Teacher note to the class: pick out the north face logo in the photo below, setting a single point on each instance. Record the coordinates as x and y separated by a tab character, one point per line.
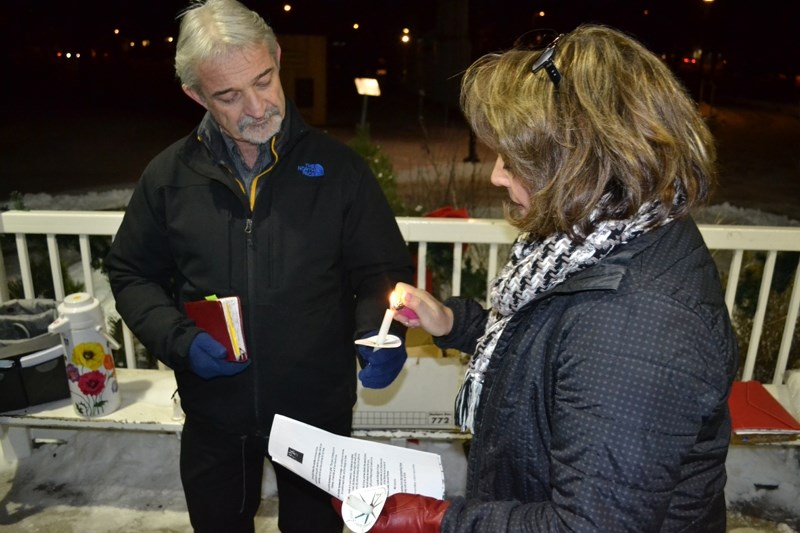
312	170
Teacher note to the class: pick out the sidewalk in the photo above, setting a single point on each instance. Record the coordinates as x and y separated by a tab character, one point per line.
101	481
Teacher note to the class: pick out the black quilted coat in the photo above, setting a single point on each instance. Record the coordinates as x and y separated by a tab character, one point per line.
604	404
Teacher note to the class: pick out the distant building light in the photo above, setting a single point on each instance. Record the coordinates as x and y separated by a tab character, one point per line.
646	12
368	87
287	7
541	13
406	31
132	44
69	55
405	39
356	25
145	43
169	39
381	72
116	31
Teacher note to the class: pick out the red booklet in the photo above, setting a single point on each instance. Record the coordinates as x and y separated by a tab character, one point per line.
755	411
222	319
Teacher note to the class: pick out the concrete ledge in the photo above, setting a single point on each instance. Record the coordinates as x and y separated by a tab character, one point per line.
146	405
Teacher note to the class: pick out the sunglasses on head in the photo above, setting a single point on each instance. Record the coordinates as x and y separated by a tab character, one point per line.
533	40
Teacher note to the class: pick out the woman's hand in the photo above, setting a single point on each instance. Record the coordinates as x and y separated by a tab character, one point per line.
432	316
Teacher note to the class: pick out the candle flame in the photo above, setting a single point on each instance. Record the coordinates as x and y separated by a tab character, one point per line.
394	300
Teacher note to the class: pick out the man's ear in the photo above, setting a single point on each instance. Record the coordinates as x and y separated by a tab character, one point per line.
194	95
278	55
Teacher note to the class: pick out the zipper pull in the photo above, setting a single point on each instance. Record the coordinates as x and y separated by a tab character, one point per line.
248	227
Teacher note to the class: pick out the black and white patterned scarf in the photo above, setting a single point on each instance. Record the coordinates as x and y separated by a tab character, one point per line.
534	267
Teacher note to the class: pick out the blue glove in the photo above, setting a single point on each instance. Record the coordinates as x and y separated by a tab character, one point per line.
382	365
207	358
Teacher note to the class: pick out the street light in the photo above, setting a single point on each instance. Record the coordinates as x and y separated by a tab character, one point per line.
366	87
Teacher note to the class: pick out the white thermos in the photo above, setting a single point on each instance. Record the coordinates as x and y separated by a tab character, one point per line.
90	367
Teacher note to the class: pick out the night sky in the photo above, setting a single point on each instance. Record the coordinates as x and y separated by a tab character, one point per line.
754	45
751	35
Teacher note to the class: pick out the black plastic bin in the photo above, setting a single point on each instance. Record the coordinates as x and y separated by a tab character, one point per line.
32	366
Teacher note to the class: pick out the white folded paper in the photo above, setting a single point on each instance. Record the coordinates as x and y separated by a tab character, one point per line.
340	465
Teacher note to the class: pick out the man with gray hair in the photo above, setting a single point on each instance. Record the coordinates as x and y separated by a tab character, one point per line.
258	205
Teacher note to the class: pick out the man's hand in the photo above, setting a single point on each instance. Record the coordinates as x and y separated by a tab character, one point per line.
382	365
207	358
407	513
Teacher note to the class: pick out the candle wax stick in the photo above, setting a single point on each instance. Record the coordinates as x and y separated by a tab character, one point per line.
387	321
359	505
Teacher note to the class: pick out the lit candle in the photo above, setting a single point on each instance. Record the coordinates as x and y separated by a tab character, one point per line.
387	321
399	308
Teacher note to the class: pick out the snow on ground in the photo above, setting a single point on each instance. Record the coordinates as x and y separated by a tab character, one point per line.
115	199
725	213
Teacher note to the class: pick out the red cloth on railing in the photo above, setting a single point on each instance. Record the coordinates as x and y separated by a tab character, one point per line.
447	211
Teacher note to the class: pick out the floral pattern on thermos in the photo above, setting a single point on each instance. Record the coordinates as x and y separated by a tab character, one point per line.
91	371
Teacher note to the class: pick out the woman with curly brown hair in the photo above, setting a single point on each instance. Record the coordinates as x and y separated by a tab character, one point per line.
597	390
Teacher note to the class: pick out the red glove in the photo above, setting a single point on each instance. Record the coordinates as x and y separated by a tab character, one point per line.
407	513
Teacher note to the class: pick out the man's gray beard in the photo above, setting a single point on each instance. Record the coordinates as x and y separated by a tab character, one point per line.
262	133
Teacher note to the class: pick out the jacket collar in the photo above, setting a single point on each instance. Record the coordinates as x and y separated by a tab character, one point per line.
293	127
610	271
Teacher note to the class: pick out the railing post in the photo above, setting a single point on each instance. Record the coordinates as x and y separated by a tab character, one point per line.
788	330
55	267
25	266
758	319
4	293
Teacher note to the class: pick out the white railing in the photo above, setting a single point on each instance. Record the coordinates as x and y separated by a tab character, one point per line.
492	235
